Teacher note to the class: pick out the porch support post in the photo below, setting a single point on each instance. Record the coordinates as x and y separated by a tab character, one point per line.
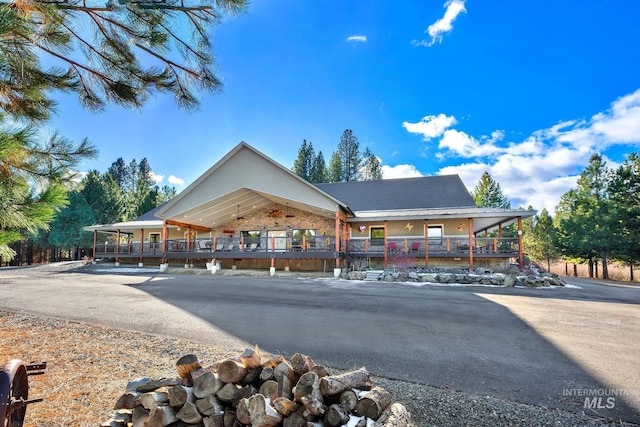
337	243
471	245
118	247
165	236
520	253
386	249
95	243
140	264
426	243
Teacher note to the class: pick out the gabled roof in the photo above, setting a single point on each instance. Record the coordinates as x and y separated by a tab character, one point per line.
428	192
243	181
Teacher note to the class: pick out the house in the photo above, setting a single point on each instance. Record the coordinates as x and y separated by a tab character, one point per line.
248	211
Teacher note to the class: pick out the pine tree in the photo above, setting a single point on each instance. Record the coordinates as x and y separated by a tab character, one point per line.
488	194
624	191
67	227
542	245
594	209
334	172
371	169
318	169
27	165
349	155
126	52
303	164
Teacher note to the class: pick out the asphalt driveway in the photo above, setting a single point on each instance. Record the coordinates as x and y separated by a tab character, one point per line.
561	347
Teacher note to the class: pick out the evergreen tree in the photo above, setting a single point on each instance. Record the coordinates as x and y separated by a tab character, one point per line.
165	194
126	52
104	197
26	164
371	169
488	194
594	209
334	173
542	242
67	227
624	191
303	164
318	169
349	155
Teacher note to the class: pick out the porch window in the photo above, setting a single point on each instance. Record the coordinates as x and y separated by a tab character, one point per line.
298	234
154	237
434	233
377	235
251	237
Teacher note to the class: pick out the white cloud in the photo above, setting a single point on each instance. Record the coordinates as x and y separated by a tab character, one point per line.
400	171
157	177
431	126
465	145
539	169
444	24
175	180
360	39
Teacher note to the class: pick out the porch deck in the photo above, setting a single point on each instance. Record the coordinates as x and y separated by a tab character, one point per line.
287	248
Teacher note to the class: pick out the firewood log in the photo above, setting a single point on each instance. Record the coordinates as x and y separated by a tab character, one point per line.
285	406
266	373
154	398
228	392
337	415
320	370
242	411
334	384
314	406
396	415
158	383
215	420
139	416
179	395
230	371
128	400
285	369
295	420
189	413
161	416
245	392
349	399
373	403
229	418
301	363
269	389
186	364
252	376
272	360
251	358
261	413
206	384
308	385
209	405
284	387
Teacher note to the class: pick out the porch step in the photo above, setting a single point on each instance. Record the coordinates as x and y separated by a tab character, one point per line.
373	275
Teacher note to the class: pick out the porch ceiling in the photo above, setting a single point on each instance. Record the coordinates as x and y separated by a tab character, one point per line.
237	204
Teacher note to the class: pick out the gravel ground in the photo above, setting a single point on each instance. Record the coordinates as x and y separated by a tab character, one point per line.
90	365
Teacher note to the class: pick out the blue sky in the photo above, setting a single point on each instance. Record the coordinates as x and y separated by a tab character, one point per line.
525	90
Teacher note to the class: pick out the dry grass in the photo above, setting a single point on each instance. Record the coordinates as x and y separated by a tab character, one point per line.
88	366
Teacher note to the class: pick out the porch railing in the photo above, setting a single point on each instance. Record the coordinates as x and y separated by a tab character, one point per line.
369	247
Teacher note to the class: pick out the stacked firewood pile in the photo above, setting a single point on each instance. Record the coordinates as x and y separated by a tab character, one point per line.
253	390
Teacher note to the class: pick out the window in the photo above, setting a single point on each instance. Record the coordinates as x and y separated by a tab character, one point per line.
377	235
298	234
251	237
154	237
434	233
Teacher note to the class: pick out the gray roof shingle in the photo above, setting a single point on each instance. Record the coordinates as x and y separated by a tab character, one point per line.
428	192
